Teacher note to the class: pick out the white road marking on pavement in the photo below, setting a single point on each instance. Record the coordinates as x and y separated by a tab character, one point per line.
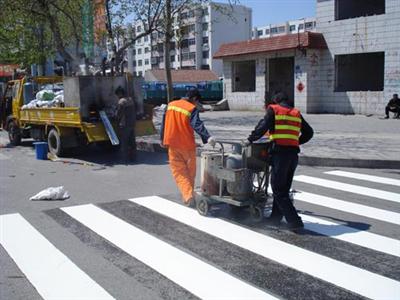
52	274
352	235
354	279
349	207
377	179
351	188
198	277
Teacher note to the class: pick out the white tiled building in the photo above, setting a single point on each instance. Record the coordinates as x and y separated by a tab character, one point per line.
203	29
351	64
295	26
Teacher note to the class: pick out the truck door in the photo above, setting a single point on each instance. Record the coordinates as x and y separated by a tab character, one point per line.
6	104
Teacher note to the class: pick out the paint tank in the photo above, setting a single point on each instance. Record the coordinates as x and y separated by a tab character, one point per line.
210	162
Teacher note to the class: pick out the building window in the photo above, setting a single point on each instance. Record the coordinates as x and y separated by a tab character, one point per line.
185	56
146	61
244	76
185	43
154	48
140	73
205	11
154	35
172	46
259	32
184	15
206	54
204	26
191	28
360	72
281	29
134	52
140	62
205	39
191	14
267	31
160	47
139	28
146	50
301	26
205	67
139	51
192	42
347	9
309	25
146	38
274	30
192	55
134	63
172	58
292	28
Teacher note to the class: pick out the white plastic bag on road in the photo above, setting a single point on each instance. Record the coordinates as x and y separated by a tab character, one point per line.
51	193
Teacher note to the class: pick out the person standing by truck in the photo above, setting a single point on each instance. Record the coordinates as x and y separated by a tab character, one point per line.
126	117
287	130
180	121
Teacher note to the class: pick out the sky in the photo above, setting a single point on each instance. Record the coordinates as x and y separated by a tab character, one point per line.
275	11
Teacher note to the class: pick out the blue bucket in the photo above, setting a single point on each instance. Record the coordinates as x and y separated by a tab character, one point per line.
41	150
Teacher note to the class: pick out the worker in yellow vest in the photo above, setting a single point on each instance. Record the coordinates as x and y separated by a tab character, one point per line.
180	121
287	129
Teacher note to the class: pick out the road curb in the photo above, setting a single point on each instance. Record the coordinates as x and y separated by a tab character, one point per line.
303	160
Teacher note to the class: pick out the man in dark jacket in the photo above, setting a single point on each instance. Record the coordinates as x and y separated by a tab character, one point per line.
393	106
126	117
287	129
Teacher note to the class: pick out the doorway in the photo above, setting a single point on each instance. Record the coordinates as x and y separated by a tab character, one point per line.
280	76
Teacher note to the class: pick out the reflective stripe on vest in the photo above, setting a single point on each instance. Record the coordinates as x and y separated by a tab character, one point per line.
287	126
181	110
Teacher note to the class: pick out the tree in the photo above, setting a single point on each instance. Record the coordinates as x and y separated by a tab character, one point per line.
33	29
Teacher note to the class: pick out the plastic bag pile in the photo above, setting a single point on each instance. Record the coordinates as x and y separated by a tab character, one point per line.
46	98
51	193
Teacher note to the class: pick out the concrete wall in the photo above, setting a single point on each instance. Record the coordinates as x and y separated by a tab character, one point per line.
357	35
227	26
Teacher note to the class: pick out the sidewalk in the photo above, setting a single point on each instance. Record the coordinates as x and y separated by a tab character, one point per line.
339	140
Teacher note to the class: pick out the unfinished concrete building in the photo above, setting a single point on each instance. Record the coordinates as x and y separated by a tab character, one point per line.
352	65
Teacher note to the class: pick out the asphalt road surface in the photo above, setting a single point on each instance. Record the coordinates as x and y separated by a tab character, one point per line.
123	234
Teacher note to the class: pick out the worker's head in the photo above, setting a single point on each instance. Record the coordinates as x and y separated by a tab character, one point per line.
120	92
193	95
395	96
280	97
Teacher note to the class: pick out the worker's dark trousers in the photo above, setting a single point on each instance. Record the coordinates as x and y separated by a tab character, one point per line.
283	168
127	150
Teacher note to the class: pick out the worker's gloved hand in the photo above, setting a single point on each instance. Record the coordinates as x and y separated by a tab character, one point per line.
211	141
245	143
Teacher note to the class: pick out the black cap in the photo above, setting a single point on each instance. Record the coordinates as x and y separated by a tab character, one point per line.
280	97
120	91
193	93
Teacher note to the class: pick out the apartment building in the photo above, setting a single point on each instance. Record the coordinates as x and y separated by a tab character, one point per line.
295	26
199	32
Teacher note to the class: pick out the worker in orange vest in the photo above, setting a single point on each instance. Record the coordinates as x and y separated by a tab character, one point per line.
180	121
287	130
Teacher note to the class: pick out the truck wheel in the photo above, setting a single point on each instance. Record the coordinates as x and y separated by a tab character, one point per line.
54	142
14	133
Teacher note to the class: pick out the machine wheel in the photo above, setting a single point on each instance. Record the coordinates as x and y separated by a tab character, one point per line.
54	142
202	207
14	133
257	213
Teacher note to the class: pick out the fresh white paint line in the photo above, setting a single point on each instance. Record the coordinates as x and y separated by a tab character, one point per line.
52	274
351	188
198	277
349	207
371	178
352	235
354	279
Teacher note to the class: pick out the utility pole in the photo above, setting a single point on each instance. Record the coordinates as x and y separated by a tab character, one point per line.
167	46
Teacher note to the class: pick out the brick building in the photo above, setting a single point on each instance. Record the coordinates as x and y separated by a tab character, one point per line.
352	65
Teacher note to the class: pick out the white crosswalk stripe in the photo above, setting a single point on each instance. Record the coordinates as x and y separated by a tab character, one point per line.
50	271
351	188
204	280
371	178
357	280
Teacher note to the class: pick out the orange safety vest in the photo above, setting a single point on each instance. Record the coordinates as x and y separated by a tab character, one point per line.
287	126
178	132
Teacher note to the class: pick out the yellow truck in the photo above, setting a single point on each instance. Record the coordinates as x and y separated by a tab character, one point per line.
76	123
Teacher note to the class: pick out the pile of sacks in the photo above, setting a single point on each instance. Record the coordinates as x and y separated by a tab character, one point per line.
47	98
